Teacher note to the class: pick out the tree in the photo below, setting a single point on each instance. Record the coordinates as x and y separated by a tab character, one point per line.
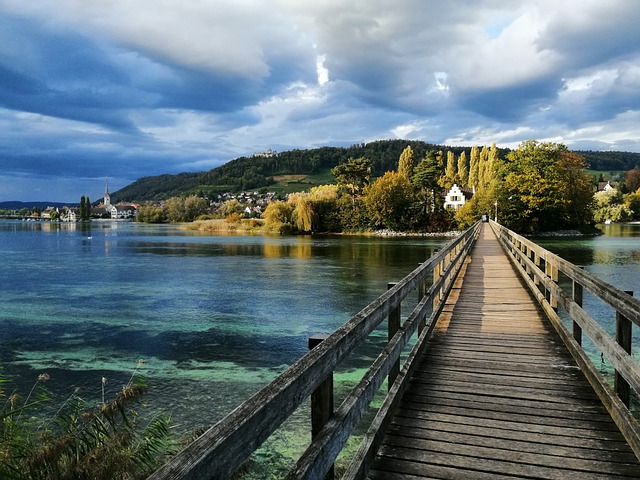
324	200
632	179
194	206
353	176
463	170
175	209
277	216
150	213
425	180
302	213
389	200
474	168
85	208
231	206
632	201
450	176
484	169
405	164
544	188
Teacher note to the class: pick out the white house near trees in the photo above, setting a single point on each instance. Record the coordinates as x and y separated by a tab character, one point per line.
457	196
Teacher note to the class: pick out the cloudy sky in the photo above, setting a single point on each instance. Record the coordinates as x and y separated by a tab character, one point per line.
122	89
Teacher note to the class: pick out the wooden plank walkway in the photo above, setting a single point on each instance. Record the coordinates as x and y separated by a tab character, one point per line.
497	395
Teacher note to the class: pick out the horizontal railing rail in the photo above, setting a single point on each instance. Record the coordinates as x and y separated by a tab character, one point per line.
540	269
226	446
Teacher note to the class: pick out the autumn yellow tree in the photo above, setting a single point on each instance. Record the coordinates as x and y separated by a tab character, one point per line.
389	200
474	168
302	211
277	216
463	170
405	164
449	177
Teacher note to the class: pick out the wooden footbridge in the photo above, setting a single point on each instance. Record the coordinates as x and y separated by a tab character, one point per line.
494	385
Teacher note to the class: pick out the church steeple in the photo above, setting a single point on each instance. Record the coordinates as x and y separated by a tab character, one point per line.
107	197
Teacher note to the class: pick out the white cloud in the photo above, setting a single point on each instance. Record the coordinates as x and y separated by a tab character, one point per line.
169	84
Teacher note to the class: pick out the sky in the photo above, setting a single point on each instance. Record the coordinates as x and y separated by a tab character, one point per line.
92	90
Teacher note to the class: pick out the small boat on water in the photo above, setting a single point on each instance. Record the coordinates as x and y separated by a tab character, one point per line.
607	222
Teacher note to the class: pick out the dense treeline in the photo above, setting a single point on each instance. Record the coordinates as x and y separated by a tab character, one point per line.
610	161
250	173
536	187
159	187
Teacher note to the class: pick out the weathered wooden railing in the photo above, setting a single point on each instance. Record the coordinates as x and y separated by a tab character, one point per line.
540	269
222	449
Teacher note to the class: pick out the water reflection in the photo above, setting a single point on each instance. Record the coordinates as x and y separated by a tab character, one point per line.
216	316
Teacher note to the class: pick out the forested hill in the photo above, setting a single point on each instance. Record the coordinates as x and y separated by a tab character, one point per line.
250	173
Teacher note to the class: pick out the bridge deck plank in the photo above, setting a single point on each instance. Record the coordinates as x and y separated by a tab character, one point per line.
496	395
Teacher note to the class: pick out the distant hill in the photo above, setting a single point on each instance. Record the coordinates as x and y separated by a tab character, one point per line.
610	161
21	205
252	173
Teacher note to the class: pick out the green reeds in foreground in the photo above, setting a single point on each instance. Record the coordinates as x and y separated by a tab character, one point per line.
80	441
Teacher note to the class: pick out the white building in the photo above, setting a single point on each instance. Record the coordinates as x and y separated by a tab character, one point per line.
456	197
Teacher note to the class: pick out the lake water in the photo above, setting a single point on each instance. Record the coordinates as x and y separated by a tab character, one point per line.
215	317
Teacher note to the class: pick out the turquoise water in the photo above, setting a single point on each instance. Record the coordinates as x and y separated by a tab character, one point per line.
214	317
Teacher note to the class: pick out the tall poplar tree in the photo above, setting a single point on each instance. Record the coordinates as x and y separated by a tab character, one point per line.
474	165
449	177
405	164
483	169
463	170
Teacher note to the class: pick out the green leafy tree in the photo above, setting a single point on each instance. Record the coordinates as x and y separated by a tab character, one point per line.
353	176
194	206
405	164
84	208
545	188
175	209
425	180
150	213
389	200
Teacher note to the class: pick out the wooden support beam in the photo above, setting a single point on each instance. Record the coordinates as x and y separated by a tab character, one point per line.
321	401
623	337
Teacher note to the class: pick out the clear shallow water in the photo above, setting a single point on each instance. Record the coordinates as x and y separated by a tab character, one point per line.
214	317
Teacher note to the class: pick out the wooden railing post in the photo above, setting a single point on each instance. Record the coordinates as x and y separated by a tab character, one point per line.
623	337
422	290
577	297
394	326
436	276
321	401
552	274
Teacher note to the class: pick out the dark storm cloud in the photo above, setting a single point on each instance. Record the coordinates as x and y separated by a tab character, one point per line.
123	89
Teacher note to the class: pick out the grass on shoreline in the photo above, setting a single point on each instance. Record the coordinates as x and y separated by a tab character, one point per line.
248	226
